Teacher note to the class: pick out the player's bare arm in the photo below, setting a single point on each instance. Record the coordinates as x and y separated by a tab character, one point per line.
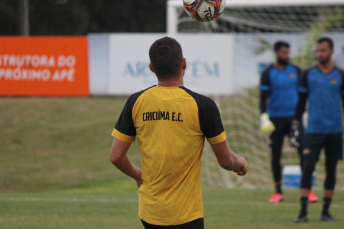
120	159
228	160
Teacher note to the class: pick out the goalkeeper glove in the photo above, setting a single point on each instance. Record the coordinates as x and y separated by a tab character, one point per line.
294	135
266	126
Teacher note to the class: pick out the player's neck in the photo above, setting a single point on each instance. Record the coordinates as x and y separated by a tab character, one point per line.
175	82
279	66
326	68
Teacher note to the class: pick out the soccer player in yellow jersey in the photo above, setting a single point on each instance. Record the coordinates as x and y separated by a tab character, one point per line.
170	123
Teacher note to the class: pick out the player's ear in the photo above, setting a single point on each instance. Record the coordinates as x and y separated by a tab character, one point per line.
184	64
151	67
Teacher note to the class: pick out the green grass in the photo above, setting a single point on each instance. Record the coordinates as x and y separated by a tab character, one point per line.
114	205
55	173
49	143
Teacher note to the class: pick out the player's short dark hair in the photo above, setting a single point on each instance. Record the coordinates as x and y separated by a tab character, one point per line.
280	44
328	40
166	56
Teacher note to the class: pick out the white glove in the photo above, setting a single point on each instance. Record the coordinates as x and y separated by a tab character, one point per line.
294	135
266	126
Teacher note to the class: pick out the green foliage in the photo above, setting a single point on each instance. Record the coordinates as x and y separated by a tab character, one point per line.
9	21
307	56
264	45
78	17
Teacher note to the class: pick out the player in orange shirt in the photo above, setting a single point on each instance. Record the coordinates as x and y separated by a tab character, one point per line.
170	123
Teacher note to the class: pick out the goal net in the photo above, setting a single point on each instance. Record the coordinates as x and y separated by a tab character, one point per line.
257	25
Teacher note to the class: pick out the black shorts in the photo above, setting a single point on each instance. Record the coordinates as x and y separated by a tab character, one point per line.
196	224
332	143
282	129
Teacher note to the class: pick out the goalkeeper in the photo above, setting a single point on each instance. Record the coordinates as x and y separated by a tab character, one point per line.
278	89
323	86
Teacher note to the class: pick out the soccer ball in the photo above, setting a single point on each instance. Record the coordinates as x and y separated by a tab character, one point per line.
204	10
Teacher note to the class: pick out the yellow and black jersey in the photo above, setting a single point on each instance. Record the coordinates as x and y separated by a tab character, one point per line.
170	124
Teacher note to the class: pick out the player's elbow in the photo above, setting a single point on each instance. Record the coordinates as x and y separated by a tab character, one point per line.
115	159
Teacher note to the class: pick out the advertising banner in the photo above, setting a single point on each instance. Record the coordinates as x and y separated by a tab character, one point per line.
98	57
44	66
209	63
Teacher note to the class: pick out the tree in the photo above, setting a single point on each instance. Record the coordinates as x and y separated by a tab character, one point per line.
80	17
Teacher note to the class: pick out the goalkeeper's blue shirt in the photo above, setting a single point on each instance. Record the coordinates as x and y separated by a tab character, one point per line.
282	87
325	92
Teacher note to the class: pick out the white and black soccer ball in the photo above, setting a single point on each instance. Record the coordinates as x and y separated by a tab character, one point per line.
204	10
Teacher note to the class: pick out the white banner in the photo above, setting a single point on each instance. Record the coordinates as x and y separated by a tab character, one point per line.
217	64
209	63
98	49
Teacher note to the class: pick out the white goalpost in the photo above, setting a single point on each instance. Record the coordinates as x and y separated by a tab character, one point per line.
256	25
175	8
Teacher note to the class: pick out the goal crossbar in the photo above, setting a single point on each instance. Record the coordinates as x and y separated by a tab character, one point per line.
265	3
174	5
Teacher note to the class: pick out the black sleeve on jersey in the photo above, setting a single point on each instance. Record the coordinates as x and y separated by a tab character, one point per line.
301	106
304	80
303	95
299	74
264	94
125	123
209	115
342	89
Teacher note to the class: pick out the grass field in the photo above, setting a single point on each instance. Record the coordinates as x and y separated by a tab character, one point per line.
55	173
114	205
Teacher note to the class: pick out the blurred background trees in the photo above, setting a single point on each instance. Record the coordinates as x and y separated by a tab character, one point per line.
80	17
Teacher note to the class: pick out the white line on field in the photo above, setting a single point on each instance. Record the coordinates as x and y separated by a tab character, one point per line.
112	200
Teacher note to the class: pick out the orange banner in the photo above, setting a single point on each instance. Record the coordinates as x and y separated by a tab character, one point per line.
44	66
